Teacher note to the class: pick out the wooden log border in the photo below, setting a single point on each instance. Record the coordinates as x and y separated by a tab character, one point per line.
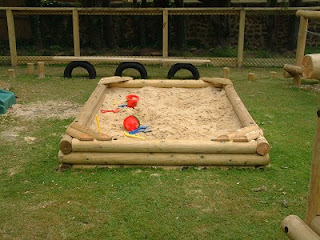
82	147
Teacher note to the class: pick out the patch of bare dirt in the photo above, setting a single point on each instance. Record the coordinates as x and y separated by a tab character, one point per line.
11	134
314	87
50	109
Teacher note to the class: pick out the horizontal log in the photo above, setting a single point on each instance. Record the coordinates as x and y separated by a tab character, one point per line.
217	82
90	132
308	14
164	159
311	64
287	74
238	106
115	79
79	135
238	133
87	111
164	146
315	224
296	229
263	146
65	144
253	135
153	60
294	70
162	84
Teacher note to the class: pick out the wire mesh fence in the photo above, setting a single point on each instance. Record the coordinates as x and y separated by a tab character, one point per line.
270	36
44	35
4	42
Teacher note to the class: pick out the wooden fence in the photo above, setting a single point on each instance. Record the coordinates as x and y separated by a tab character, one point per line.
11	12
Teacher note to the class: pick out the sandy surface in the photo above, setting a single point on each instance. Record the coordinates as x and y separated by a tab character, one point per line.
171	113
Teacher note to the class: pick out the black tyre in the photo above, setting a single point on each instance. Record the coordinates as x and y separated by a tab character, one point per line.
135	65
83	64
188	66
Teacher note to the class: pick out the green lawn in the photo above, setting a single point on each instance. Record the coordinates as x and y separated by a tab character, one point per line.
36	202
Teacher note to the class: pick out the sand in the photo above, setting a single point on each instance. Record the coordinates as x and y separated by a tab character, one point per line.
171	113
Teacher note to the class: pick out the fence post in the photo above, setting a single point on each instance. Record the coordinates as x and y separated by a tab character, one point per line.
302	36
76	34
301	45
313	206
242	22
12	37
165	29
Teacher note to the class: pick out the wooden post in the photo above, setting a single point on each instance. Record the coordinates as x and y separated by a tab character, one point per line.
165	34
251	76
226	72
273	74
313	207
302	36
30	68
12	37
11	73
242	22
41	73
76	33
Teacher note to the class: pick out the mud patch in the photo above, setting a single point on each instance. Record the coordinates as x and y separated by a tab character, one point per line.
314	87
50	109
11	134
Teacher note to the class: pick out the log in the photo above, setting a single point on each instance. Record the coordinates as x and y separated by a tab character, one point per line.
313	206
297	80
41	73
263	147
238	133
165	146
287	74
90	132
315	224
11	73
226	72
30	68
253	135
150	60
162	84
294	70
311	64
296	229
251	76
65	144
308	14
217	82
238	106
115	79
164	159
79	135
88	110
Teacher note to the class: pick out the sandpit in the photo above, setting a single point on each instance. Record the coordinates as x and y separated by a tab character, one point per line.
194	123
176	113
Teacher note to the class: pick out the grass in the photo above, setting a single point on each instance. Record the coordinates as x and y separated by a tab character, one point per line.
37	202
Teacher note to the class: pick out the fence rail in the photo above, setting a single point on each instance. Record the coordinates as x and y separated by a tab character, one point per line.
14	13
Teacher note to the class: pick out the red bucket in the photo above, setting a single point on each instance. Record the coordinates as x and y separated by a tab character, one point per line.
132	100
131	123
